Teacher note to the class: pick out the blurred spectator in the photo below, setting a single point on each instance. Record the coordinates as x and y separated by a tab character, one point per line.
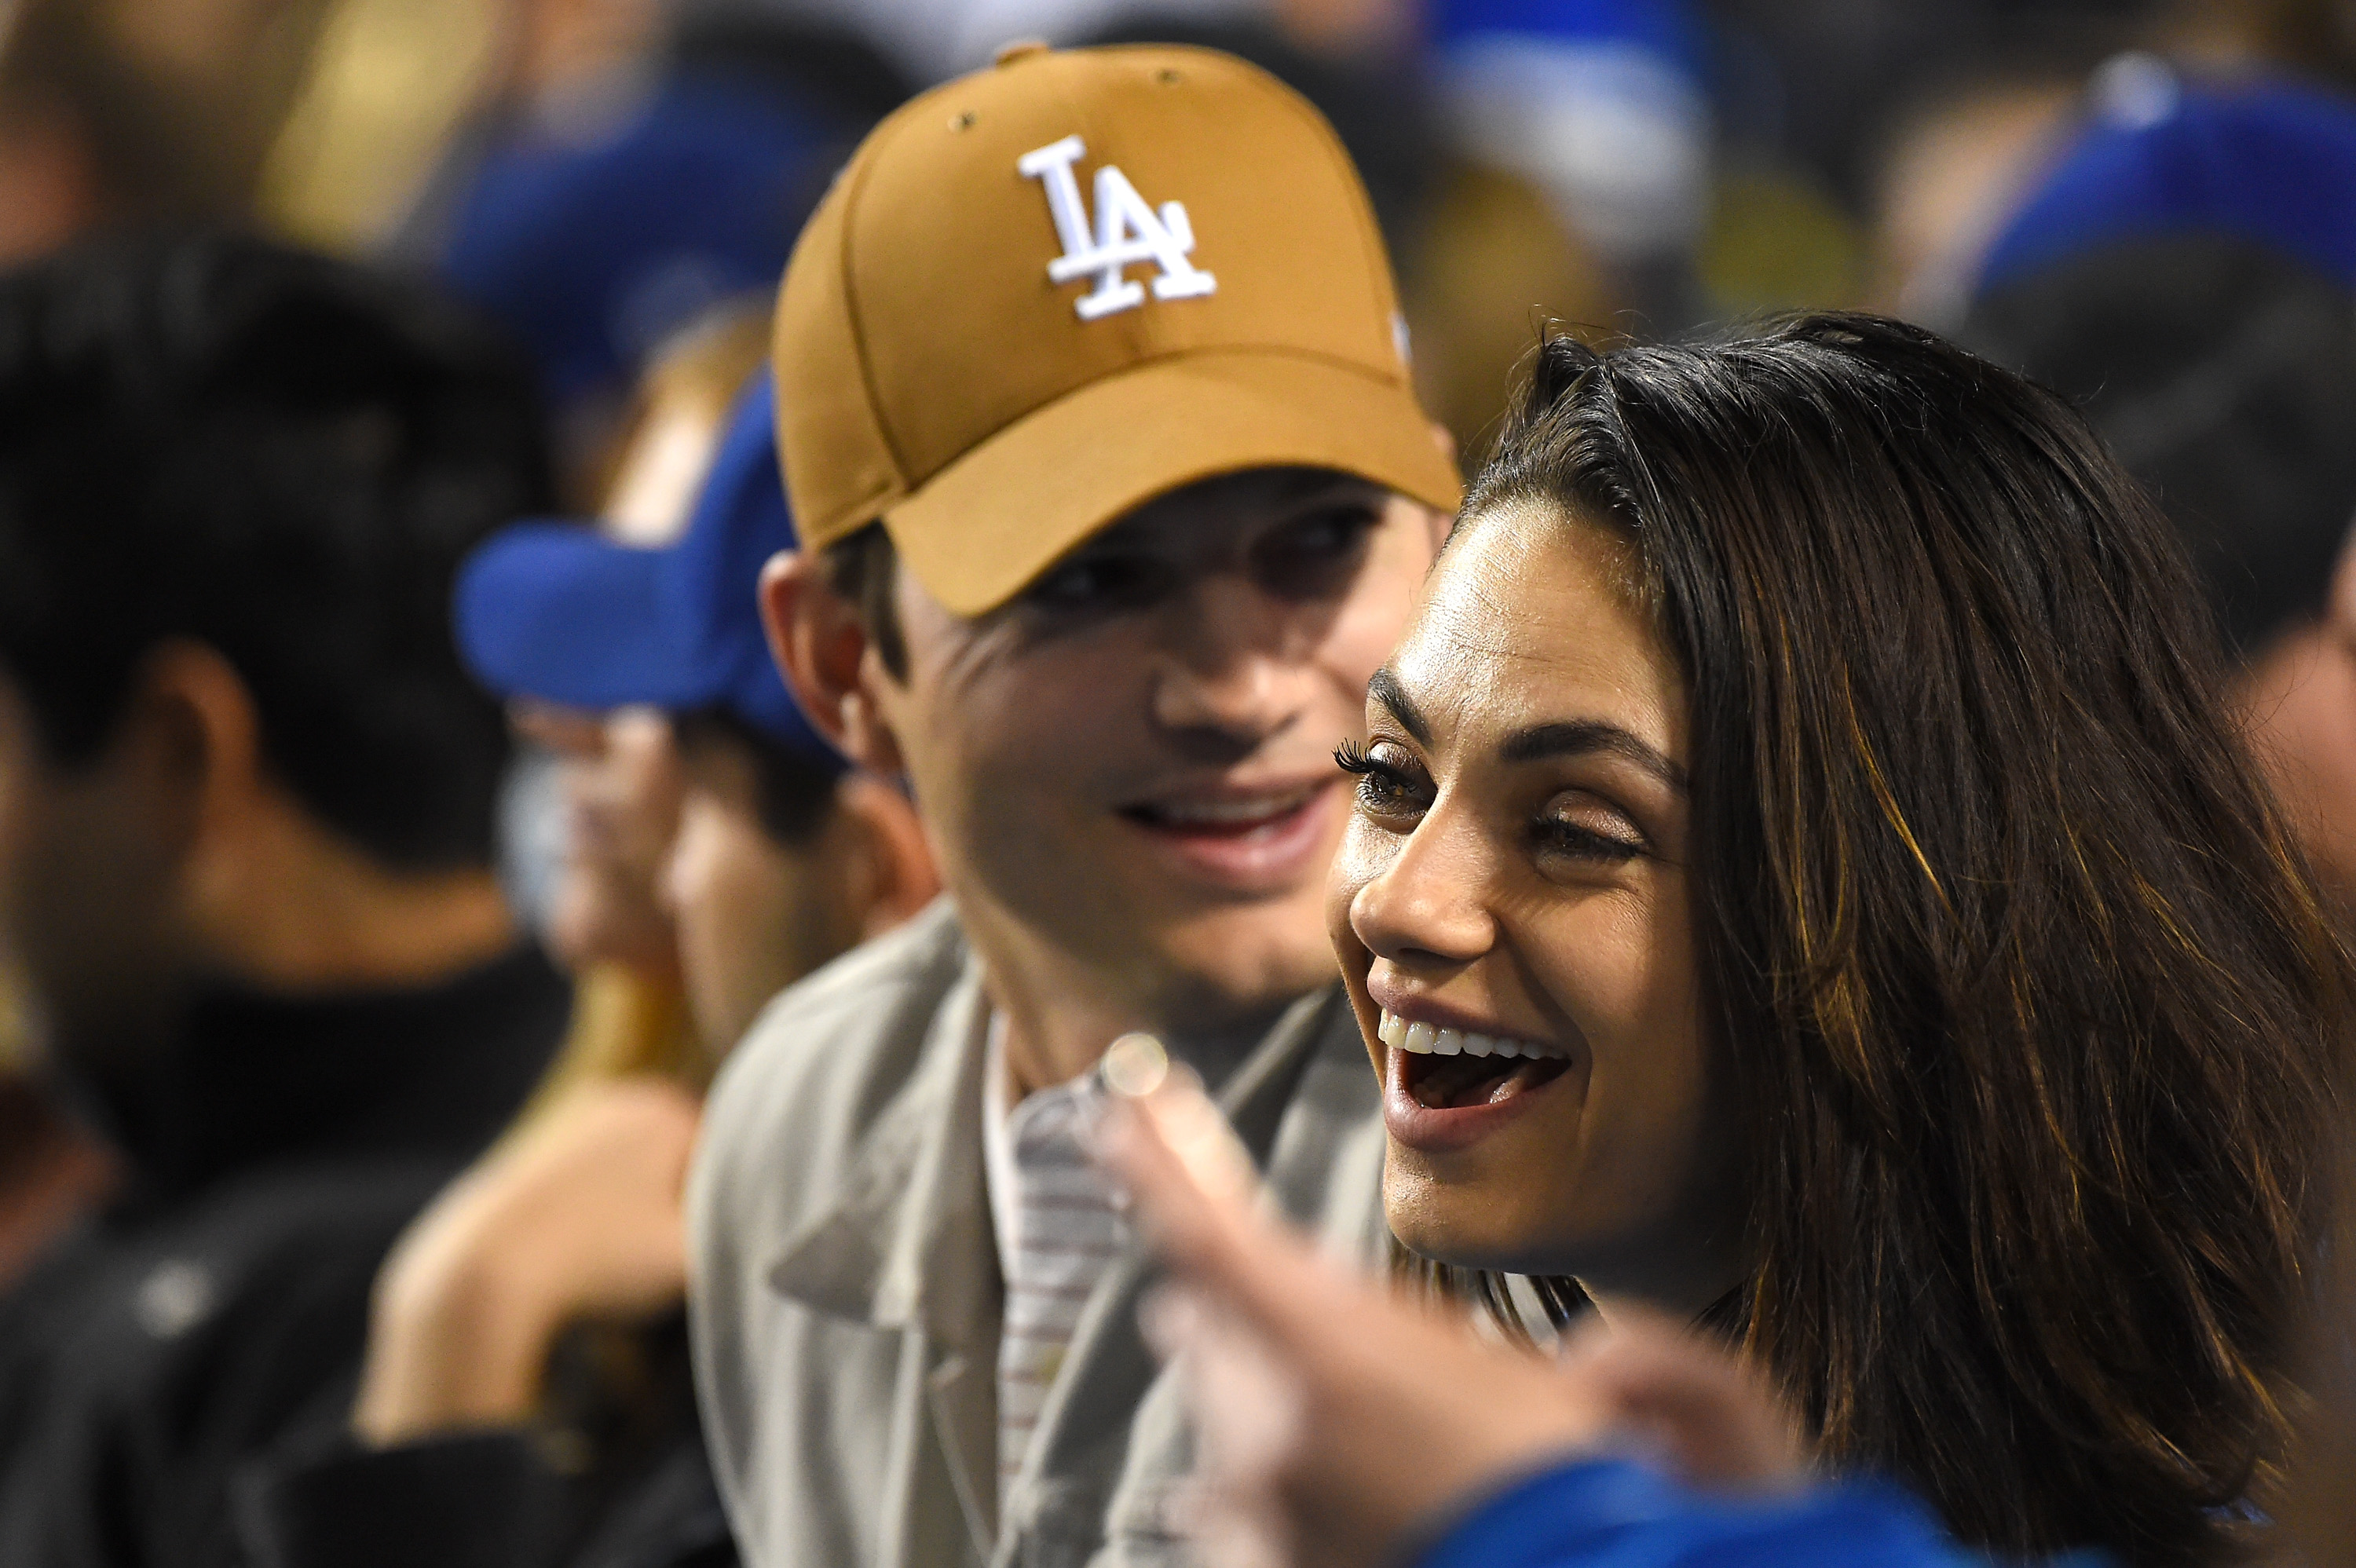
2224	375
553	611
1578	180
52	1169
246	808
611	806
2161	154
1496	260
2311	37
133	111
1953	165
2049	150
388	84
781	861
930	42
1602	104
2181	272
1816	81
599	216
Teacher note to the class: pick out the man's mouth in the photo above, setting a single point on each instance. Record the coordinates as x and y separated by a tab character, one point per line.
1455	1069
1226	816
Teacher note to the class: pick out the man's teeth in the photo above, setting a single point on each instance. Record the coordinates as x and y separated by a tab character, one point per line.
1225	813
1424	1040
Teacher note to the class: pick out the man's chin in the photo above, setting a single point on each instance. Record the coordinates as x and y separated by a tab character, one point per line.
1242	961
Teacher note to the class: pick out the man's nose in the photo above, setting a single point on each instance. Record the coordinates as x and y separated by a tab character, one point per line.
1230	674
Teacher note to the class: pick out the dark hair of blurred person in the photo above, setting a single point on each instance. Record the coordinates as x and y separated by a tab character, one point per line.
2014	1008
2222	374
541	1294
246	805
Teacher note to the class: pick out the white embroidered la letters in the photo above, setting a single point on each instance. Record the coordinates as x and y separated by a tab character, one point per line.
1127	232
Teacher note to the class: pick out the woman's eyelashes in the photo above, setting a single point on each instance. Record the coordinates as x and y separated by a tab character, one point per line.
1558	836
1394	788
1388	786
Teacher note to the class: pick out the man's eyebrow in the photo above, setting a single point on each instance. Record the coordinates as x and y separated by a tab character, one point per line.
1384	687
1584	737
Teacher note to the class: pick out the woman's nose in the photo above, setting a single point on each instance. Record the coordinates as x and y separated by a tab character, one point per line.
1428	904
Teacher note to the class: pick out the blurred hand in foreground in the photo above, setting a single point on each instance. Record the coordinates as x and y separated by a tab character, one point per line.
578	1218
1342	1424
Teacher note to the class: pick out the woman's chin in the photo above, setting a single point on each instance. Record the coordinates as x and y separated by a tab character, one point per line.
1460	1229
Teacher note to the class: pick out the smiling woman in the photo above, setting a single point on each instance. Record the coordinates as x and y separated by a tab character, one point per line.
1801	878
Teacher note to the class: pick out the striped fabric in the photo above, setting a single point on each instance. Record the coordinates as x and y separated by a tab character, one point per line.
1058	1233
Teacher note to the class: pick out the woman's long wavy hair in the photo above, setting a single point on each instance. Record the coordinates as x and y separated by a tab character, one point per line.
2030	1001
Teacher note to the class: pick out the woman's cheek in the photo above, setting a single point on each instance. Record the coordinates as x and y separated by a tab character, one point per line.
1365	851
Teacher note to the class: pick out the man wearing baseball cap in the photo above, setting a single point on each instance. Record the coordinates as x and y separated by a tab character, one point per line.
1096	419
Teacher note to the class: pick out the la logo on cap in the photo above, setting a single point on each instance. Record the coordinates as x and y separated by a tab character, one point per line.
1126	232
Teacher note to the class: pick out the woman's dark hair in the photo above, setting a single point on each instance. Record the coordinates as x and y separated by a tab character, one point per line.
2024	985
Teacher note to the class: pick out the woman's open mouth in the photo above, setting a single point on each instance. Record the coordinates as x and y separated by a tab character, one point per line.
1448	1087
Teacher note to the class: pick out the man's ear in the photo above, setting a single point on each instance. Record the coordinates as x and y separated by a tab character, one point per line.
821	647
896	874
192	717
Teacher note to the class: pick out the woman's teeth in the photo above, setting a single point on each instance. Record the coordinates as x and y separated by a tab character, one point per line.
1424	1040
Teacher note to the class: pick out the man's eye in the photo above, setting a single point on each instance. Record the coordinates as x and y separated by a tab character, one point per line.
1311	551
1091	583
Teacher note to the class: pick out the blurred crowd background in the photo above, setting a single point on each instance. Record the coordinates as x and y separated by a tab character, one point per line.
597	171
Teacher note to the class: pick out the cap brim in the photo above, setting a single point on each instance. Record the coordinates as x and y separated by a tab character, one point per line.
553	610
1001	514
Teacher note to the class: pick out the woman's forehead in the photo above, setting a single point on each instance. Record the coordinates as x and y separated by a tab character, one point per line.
1528	618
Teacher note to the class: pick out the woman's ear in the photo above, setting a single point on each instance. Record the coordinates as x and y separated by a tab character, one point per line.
896	875
820	646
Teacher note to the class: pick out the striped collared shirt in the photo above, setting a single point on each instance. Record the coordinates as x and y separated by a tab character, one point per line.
1057	1230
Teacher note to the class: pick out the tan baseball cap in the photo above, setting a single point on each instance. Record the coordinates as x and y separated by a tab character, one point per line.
1047	292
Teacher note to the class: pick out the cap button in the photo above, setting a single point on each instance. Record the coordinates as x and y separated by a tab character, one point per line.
1020	48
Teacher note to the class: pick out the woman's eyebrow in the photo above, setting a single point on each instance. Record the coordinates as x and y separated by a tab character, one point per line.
1584	737
1384	686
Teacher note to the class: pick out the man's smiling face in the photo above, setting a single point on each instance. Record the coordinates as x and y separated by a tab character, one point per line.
1129	768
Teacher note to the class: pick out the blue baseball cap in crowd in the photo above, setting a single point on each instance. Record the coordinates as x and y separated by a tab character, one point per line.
2163	157
555	610
1604	105
592	250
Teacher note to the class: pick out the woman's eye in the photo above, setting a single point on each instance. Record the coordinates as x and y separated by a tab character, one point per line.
1561	837
1386	787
